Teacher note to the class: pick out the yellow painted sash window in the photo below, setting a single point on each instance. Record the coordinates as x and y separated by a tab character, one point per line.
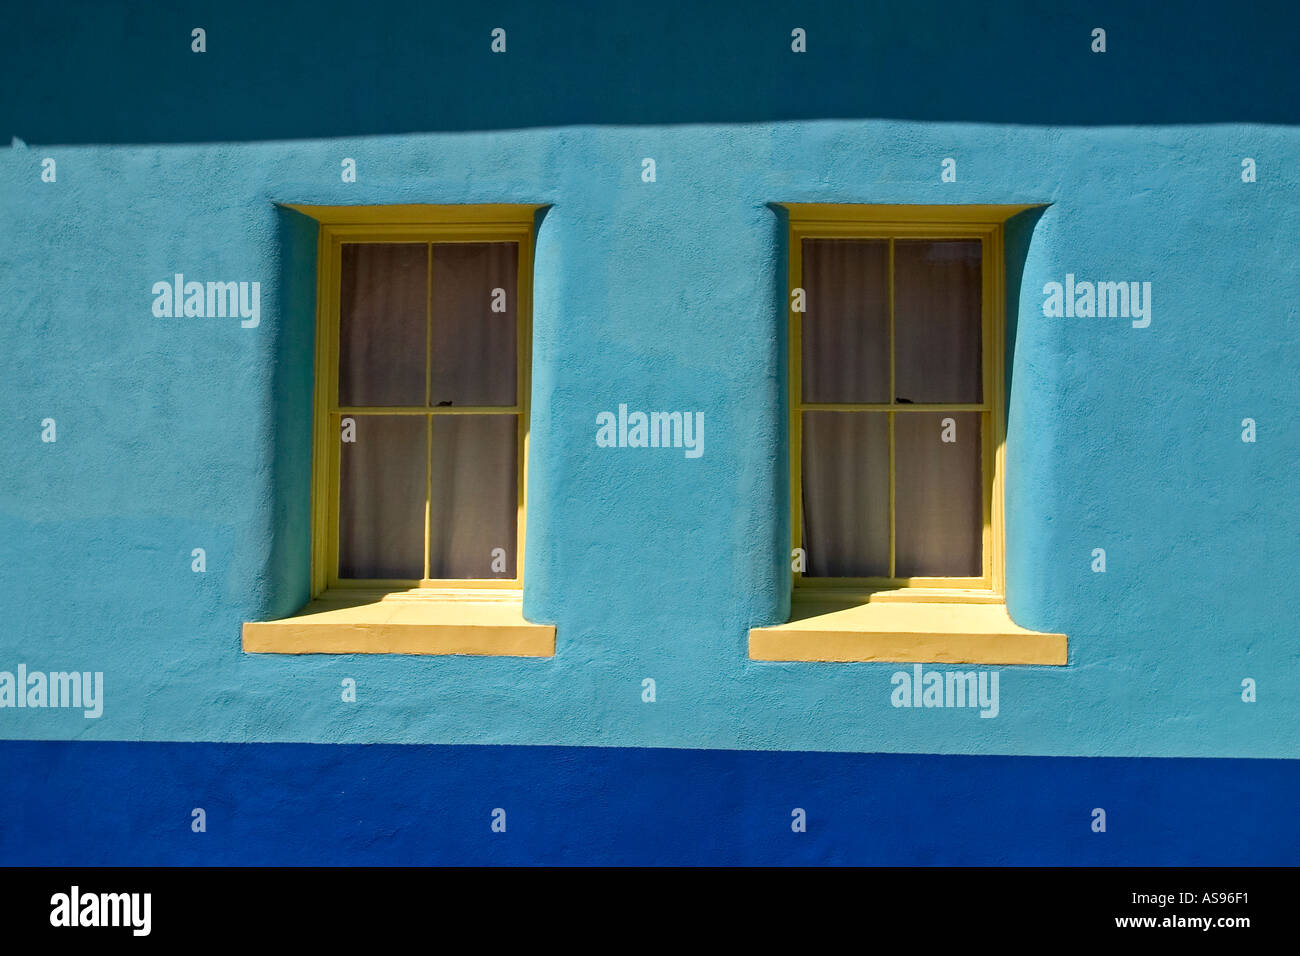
421	434
896	337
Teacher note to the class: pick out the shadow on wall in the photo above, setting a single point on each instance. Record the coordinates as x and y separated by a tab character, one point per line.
286	576
111	73
1017	233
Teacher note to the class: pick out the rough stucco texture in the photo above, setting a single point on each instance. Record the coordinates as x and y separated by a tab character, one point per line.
182	433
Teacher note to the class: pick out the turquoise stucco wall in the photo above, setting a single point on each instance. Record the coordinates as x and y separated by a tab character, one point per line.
183	433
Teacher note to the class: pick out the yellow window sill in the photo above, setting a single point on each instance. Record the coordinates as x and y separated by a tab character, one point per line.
407	622
891	627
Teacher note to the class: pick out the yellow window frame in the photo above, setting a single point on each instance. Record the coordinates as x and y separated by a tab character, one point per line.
329	415
426	615
890	223
907	619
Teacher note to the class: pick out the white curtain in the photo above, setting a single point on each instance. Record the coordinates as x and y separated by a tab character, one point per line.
473	346
938	485
846	494
471	467
938	500
383	301
845	329
381	498
474	508
937	296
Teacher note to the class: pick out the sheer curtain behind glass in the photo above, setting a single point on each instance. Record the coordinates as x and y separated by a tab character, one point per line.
930	320
427	352
474	508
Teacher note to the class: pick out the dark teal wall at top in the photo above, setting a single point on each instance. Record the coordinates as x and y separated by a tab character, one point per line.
123	73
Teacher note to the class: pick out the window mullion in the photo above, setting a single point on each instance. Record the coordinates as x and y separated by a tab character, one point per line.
892	397
428	387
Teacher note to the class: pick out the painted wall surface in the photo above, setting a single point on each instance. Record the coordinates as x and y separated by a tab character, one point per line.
174	434
345	804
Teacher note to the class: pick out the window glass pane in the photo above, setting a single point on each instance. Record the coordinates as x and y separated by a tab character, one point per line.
381	498
383	301
475	495
846	494
937	291
938	495
845	328
473	346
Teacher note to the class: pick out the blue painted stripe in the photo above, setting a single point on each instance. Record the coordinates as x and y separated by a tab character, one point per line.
94	804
